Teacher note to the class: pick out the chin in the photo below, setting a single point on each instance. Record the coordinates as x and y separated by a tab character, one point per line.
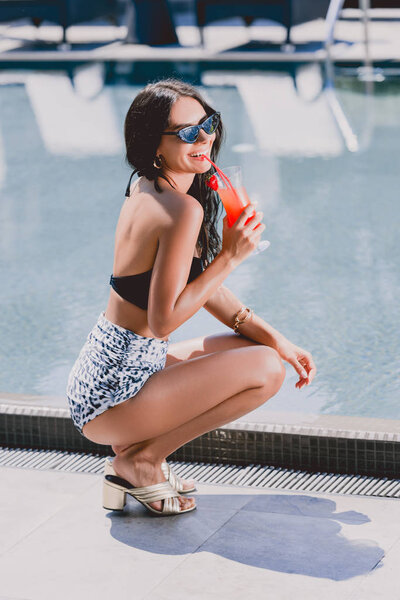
200	171
204	166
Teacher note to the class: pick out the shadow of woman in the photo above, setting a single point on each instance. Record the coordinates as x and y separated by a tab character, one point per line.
286	533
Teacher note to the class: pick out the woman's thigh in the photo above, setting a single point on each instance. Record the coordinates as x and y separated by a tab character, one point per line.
182	391
200	346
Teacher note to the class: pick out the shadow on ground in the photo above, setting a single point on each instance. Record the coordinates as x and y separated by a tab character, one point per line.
290	534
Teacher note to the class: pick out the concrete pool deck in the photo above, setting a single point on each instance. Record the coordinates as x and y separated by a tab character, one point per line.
58	542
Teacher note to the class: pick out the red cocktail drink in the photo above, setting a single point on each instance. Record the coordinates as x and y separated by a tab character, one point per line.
233	196
234	202
231	191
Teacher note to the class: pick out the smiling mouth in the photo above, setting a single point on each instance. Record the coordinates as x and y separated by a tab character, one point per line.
197	154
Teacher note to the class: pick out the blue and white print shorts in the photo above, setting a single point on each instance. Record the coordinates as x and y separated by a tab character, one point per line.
112	366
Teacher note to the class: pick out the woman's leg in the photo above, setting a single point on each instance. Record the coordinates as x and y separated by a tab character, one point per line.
183	390
202	345
230	409
186	350
195	347
178	394
125	463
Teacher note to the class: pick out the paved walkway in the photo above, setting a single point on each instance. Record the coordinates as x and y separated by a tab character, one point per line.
57	542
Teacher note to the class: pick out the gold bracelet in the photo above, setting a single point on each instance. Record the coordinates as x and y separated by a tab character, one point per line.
239	320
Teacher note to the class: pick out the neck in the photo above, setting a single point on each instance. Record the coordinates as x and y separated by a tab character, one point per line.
181	181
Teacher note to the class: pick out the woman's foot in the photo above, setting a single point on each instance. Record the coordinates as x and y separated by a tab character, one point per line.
188	484
140	471
133	448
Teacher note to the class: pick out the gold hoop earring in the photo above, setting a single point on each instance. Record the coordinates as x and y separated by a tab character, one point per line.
157	163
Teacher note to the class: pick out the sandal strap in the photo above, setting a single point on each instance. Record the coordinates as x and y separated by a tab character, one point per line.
171	506
147	493
151	493
172	477
170	497
169	473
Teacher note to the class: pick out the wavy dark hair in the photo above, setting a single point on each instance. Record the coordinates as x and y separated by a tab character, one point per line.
147	118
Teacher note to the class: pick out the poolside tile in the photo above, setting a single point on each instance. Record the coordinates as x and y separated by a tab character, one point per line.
240	541
30	497
281	542
383	581
107	552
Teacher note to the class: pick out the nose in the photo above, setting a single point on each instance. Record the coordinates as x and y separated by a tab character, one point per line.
203	136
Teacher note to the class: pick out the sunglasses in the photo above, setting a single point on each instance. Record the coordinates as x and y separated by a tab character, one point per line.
190	134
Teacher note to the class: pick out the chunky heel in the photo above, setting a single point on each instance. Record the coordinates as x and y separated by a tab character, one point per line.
113	498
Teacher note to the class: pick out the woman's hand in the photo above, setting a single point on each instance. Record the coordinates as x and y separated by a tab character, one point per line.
300	359
239	240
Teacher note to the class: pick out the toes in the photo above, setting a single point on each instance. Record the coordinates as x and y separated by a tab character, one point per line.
187	502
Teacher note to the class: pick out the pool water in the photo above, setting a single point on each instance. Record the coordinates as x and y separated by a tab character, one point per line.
323	165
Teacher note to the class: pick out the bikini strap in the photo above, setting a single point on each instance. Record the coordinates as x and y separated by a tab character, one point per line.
128	188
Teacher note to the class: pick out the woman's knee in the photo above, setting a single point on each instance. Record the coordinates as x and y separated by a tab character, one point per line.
271	369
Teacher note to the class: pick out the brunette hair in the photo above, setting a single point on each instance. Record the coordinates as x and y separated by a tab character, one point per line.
147	118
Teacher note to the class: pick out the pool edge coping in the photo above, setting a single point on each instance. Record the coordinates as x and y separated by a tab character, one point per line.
288	446
330	426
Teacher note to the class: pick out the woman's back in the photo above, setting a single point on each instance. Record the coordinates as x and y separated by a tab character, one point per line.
143	216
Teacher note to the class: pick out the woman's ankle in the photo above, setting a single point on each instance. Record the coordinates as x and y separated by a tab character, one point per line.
139	450
139	454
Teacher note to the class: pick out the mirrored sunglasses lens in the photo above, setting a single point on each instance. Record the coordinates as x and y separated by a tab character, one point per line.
189	134
211	124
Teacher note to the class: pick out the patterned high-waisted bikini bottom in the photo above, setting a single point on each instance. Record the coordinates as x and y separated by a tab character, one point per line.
112	366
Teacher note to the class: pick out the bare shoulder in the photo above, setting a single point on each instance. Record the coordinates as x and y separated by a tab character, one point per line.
162	208
179	206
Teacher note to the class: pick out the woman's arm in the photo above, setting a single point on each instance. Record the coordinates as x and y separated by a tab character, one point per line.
172	301
223	305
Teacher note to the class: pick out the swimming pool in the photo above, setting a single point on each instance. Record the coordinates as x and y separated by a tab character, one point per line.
323	166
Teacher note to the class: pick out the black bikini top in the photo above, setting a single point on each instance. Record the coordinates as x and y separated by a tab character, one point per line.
135	288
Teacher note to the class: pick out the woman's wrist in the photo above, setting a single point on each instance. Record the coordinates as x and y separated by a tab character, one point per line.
260	331
243	314
228	259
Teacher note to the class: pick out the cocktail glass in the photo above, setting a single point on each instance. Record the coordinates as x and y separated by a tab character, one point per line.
234	198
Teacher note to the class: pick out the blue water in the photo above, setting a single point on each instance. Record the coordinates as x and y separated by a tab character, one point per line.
330	281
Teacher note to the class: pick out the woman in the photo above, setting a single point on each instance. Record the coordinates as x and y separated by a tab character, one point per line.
130	387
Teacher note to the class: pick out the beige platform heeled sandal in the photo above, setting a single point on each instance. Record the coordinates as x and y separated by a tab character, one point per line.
170	475
115	489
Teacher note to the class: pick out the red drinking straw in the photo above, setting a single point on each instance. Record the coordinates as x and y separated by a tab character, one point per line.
222	175
227	181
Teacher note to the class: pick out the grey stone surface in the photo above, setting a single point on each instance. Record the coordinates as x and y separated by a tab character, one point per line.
58	542
29	498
